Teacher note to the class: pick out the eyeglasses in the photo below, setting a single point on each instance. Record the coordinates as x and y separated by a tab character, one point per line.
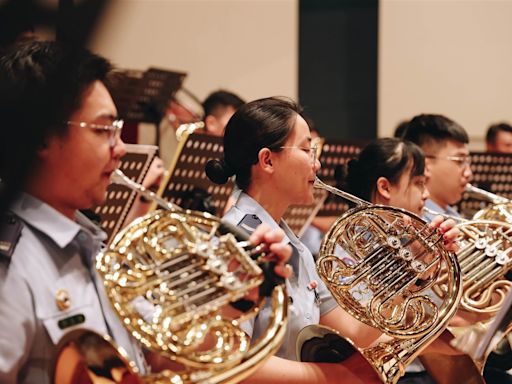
311	150
113	130
462	161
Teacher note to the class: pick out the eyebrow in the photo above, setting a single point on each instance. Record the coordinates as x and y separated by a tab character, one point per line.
109	116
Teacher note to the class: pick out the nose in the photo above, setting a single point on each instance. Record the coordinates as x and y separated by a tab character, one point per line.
317	165
426	194
119	149
468	174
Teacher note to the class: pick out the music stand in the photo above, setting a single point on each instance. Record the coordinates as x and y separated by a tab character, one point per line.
186	171
335	154
492	172
134	164
144	96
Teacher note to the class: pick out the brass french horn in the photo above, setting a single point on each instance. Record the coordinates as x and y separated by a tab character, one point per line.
382	265
500	208
168	275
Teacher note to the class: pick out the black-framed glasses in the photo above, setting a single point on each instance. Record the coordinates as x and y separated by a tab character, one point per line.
311	150
114	129
462	161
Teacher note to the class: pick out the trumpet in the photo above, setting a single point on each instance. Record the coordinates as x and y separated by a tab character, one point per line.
168	275
384	277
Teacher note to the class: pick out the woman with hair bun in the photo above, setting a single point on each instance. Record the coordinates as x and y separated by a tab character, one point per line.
267	146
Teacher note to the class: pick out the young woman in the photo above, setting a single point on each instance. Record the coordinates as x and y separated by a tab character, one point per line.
267	146
391	171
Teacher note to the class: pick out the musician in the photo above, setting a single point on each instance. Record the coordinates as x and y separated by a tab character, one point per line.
447	160
218	108
499	138
48	285
391	171
267	146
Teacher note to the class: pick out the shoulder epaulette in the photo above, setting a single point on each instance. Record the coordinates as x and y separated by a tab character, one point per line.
10	232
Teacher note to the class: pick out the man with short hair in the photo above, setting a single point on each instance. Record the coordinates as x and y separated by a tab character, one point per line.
63	120
499	138
218	107
447	160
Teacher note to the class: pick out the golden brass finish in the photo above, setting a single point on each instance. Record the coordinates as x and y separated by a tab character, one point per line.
382	265
485	256
170	275
62	299
500	208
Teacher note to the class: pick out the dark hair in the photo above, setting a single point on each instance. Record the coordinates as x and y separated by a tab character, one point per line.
387	157
400	129
426	130
41	85
264	123
493	130
221	99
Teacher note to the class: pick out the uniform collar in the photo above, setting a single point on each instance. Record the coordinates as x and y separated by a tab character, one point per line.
247	205
51	222
430	204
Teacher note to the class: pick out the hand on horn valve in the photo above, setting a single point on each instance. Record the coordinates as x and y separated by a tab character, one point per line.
449	231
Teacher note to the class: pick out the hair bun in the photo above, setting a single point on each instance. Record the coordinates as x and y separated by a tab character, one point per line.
218	171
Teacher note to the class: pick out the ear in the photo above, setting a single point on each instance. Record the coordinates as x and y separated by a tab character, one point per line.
265	160
383	188
211	124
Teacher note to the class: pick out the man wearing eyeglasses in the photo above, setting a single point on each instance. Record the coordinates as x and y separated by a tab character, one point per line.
62	118
447	160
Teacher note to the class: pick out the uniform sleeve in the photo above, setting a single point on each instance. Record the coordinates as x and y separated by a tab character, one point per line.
327	302
17	324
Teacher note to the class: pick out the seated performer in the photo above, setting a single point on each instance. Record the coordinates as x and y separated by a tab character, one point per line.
48	284
447	160
218	107
499	138
267	146
390	171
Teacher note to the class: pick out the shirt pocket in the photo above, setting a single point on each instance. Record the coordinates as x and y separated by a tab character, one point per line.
84	310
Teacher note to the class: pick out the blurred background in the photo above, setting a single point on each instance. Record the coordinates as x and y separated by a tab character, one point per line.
359	67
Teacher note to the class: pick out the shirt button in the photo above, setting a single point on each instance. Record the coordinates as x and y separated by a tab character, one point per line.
308	316
82	236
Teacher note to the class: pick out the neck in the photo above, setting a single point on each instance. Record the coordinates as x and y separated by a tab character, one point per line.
269	199
440	203
46	194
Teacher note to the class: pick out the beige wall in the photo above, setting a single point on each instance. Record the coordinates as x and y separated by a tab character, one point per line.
449	57
247	46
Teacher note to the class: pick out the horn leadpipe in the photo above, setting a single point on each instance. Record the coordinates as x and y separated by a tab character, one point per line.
338	192
489	196
118	177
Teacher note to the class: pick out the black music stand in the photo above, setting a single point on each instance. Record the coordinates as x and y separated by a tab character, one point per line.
492	172
186	177
134	164
335	154
145	96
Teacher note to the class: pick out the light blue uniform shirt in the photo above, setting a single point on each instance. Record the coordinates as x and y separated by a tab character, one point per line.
450	211
53	253
305	308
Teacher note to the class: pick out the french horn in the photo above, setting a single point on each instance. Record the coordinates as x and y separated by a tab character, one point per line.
500	208
382	265
169	276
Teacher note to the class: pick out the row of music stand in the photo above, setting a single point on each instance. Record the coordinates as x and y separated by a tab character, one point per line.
186	175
